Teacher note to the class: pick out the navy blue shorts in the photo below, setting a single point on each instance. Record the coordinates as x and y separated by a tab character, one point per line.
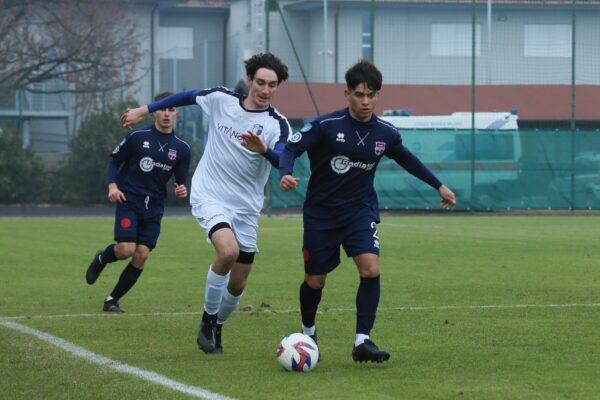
138	221
322	246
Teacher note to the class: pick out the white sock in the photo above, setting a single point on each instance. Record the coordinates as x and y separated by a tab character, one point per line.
213	292
360	338
228	305
309	330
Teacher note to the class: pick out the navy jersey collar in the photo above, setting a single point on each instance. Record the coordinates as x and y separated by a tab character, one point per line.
242	98
370	122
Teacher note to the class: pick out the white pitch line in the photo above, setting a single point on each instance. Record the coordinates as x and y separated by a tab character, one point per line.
322	311
116	365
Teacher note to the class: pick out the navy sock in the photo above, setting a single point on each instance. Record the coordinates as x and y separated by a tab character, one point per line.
128	278
108	255
367	300
309	302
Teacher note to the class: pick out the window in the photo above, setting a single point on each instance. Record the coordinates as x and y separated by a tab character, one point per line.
547	40
176	43
367	51
454	40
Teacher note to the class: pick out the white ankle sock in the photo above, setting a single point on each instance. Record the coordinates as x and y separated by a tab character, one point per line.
360	338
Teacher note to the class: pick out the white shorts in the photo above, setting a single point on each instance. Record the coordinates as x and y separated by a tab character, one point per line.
244	226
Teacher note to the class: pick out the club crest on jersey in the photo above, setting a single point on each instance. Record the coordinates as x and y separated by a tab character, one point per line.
172	154
296	137
257	129
379	148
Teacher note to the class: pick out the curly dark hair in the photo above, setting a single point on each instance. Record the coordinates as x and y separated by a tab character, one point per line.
268	61
364	71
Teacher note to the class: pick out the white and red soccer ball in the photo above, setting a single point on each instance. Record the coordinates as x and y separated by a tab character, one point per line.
298	352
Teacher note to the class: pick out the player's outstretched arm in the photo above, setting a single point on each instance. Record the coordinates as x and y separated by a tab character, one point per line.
448	197
288	183
132	116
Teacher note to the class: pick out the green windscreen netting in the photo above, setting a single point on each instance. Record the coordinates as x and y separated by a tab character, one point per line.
509	169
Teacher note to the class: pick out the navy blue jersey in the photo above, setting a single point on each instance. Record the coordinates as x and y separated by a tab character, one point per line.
344	154
146	159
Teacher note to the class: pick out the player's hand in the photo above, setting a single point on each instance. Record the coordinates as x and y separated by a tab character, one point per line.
448	197
180	191
253	142
132	116
288	183
115	195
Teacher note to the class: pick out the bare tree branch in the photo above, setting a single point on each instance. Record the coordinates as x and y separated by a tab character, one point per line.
88	46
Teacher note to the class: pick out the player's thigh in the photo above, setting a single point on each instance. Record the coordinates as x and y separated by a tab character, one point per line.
126	222
211	216
245	228
321	250
361	237
149	230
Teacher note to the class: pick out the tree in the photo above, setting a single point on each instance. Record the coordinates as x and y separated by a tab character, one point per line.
22	178
88	46
83	178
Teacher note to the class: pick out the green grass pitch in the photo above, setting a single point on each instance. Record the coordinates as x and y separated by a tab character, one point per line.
472	307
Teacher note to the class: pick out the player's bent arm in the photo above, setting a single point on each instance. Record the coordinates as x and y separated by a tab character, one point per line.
180	99
415	167
273	155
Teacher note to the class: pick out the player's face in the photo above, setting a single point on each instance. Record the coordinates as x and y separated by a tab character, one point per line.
261	89
165	119
361	102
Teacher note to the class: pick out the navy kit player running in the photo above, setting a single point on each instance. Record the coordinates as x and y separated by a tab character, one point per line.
245	136
341	208
137	176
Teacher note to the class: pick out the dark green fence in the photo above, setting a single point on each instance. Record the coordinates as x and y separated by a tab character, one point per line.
509	170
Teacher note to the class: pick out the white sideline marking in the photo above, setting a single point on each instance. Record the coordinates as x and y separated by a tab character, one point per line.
117	366
321	311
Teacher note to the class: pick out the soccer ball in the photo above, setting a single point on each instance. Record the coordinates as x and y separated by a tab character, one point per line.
298	352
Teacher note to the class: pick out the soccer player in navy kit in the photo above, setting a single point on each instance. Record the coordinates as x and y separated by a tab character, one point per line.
137	176
341	208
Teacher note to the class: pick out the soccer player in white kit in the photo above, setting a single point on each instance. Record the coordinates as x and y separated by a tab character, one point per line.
245	137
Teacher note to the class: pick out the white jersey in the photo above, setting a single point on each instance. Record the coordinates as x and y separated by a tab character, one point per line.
228	173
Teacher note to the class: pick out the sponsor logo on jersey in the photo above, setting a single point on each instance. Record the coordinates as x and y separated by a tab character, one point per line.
172	154
230	132
342	164
379	148
296	137
146	145
147	164
340	137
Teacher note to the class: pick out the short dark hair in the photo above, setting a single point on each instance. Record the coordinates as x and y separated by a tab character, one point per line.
162	95
364	71
268	61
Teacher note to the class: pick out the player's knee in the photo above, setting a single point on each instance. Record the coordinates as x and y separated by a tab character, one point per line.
228	255
236	288
315	281
124	250
369	271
